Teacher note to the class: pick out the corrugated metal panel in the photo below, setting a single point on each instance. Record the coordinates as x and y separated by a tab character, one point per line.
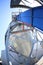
36	17
25	17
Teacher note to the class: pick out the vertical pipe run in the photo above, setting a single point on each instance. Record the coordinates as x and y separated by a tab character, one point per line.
6	43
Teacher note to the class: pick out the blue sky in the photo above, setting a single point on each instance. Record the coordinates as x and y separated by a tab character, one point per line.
5	19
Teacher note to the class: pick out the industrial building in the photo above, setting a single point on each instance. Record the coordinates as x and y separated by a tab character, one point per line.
23	38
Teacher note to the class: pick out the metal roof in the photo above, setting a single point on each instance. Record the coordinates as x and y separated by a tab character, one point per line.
26	3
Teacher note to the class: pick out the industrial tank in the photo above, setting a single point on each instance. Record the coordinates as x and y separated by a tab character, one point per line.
22	44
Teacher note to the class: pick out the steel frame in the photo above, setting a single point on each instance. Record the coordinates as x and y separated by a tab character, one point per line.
39	2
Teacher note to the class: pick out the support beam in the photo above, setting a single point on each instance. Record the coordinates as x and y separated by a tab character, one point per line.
14	4
39	2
